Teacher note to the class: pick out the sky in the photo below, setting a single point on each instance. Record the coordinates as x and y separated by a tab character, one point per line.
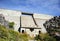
51	7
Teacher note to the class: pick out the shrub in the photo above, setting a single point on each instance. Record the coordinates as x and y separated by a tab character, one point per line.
3	32
24	36
10	35
13	36
11	24
45	37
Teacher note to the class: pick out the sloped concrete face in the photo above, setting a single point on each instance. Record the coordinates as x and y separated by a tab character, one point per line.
40	19
42	16
12	16
40	23
27	22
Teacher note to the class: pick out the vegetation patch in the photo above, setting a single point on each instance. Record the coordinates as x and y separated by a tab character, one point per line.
10	35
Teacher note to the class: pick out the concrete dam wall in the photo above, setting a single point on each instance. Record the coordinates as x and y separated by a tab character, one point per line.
27	22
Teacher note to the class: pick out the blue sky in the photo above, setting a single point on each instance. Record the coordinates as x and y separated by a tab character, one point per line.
51	7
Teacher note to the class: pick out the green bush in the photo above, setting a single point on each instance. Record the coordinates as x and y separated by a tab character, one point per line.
13	36
24	37
10	35
3	32
44	37
11	24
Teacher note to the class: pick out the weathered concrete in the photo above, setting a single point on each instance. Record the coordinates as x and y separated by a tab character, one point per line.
27	22
12	16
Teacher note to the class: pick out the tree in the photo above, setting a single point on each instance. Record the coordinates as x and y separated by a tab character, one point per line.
53	27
